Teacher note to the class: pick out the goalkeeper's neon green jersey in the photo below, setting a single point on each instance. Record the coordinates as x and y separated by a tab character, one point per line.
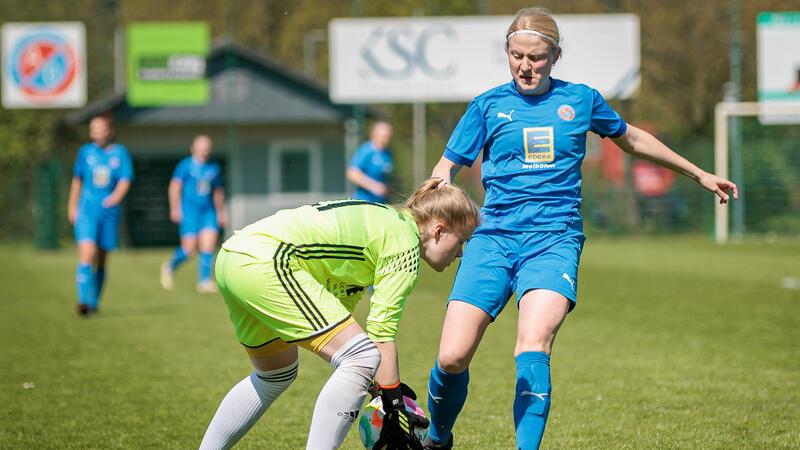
346	245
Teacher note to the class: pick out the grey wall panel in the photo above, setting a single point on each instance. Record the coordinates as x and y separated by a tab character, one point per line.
333	167
255	167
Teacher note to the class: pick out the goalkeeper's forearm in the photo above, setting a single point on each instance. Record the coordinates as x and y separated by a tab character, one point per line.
389	370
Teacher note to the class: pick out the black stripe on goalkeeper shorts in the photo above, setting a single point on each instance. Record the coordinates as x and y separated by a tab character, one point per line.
304	295
301	294
279	259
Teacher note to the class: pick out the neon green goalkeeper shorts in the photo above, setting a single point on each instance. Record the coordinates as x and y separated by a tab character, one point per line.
271	299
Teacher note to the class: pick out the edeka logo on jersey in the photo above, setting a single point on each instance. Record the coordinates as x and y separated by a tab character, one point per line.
538	147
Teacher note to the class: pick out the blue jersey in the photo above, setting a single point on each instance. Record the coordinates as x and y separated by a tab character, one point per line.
198	182
376	164
99	171
533	147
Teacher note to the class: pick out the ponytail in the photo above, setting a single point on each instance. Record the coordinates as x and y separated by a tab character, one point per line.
448	203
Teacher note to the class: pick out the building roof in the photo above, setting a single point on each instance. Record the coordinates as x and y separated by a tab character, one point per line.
246	88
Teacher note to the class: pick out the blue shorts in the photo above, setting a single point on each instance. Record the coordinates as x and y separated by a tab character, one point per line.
196	220
102	231
497	263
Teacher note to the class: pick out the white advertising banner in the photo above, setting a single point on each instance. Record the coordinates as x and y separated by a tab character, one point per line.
778	37
444	59
44	65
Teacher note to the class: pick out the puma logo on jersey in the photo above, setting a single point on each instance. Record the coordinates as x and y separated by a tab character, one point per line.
534	394
571	283
502	115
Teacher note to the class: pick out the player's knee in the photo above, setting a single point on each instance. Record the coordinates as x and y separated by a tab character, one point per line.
533	343
274	382
359	355
453	362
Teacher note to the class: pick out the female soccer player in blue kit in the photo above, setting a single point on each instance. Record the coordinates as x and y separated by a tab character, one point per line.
197	204
371	165
101	177
533	134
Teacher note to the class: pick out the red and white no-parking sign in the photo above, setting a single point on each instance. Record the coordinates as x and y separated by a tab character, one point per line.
44	65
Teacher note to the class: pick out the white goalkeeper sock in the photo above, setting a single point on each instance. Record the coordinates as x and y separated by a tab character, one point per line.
340	400
245	404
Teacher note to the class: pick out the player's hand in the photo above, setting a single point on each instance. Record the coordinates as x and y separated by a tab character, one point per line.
109	201
175	215
374	391
381	189
720	186
222	218
397	432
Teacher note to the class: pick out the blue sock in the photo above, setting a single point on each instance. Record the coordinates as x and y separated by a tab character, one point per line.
206	258
532	400
446	396
178	258
99	280
84	278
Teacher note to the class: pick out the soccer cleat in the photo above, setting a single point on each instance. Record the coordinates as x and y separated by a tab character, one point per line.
428	444
167	282
207	287
82	309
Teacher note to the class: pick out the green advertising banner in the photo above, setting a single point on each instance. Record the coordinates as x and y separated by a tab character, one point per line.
167	63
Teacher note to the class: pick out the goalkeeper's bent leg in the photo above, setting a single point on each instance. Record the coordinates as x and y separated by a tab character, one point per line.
245	404
340	400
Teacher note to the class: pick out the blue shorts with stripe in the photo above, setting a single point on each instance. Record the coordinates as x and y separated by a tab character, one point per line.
498	263
196	220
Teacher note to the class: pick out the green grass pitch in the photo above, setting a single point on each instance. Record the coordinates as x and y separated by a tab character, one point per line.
675	343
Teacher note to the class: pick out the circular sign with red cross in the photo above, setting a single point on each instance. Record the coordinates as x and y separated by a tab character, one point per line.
43	65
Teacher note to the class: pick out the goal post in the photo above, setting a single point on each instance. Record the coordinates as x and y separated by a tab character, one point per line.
722	113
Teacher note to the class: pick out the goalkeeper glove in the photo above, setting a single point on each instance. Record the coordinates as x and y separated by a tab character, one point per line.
397	432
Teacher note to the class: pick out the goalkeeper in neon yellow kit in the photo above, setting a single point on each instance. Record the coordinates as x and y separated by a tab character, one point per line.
294	278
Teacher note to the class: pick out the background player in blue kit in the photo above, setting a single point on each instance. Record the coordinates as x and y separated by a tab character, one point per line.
101	177
533	134
197	204
371	165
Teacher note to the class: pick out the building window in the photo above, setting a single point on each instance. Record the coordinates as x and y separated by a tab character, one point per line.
295	176
295	167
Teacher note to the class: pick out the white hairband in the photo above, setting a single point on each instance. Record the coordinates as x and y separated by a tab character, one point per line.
535	33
